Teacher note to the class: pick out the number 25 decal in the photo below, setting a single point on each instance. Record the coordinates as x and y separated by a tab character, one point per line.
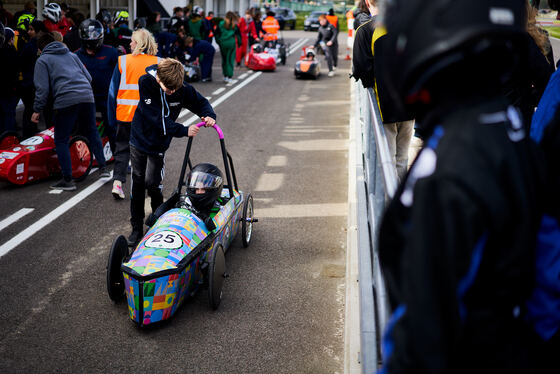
165	239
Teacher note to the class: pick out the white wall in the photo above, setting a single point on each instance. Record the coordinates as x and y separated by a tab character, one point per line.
170	4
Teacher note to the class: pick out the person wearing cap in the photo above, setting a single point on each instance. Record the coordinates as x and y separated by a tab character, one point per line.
9	74
123	99
100	61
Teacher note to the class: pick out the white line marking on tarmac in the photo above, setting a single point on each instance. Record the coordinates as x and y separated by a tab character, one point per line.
208	98
15	217
297	45
219	91
55	192
232	83
276	161
34	228
243	76
270	182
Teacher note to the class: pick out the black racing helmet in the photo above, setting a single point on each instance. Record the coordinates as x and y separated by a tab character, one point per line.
208	178
104	16
91	34
140	23
425	37
257	48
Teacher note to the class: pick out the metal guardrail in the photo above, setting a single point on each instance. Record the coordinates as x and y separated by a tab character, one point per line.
376	184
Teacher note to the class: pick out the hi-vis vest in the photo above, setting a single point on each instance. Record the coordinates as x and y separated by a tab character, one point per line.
131	68
271	26
333	20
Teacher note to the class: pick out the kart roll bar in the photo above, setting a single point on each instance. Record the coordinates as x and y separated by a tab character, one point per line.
225	155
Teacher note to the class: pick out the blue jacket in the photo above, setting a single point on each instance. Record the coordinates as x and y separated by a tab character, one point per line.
153	125
200	47
100	67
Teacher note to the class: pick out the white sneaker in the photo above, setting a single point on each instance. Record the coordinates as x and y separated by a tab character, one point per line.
117	191
334	68
331	73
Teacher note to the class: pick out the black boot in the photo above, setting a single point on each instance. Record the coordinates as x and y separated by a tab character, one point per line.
135	237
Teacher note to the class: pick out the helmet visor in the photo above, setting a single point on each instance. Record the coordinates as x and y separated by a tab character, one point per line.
199	179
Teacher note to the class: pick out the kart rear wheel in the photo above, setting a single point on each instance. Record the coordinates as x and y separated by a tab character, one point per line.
81	157
247	223
8	139
216	275
115	280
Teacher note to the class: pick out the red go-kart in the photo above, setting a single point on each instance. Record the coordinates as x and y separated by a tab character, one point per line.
35	158
259	60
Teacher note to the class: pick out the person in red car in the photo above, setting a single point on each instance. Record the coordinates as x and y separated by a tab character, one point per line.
54	20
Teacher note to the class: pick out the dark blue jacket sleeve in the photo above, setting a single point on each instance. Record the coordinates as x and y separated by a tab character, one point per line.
196	103
112	97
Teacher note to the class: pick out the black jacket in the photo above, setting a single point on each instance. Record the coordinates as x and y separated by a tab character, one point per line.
327	33
457	245
153	125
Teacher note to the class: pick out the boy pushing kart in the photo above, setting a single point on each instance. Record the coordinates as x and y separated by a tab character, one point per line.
163	93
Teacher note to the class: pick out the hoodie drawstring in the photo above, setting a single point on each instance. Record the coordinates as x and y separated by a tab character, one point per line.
163	115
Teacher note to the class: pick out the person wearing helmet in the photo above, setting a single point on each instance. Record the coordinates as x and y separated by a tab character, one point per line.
100	61
204	190
310	53
196	26
109	38
140	23
54	19
257	48
163	94
121	31
456	242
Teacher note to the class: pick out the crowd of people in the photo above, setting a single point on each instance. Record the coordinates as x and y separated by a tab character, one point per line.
469	244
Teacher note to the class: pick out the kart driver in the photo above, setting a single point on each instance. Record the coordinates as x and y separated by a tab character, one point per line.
204	188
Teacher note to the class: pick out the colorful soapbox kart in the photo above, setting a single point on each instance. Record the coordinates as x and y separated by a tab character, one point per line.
179	254
35	158
259	60
308	66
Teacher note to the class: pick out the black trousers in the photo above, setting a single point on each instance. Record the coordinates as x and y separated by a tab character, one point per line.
122	151
147	174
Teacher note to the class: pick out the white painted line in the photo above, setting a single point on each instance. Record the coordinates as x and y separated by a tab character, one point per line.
34	228
250	72
232	83
208	98
219	91
269	182
276	161
297	45
55	192
15	217
243	76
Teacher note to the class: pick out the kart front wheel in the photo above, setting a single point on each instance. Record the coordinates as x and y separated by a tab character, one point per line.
8	139
81	157
247	223
216	275
115	280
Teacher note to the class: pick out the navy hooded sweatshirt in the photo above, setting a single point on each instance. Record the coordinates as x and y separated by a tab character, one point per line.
153	125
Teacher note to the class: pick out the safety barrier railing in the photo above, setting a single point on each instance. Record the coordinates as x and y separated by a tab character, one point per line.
376	184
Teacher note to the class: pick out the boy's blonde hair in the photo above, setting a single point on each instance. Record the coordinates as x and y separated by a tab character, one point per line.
145	42
171	73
